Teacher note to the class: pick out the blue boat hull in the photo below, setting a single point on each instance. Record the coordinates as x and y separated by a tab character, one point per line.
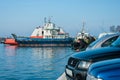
44	42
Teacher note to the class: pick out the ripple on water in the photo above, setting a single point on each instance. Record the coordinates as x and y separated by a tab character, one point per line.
29	63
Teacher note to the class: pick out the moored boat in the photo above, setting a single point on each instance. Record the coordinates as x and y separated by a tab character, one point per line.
82	40
48	35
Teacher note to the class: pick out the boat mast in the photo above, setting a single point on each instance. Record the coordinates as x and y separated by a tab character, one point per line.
83	28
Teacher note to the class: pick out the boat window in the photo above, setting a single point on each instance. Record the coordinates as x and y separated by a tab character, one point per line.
42	32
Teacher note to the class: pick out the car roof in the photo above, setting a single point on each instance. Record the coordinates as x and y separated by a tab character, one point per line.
104	34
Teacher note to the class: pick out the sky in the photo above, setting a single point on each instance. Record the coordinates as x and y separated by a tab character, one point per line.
23	16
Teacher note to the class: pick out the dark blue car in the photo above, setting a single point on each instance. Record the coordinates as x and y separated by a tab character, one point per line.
78	63
105	70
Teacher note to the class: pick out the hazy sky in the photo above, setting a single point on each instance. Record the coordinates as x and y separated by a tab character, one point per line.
23	16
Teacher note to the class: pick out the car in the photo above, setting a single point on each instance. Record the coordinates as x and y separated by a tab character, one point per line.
104	70
79	62
103	41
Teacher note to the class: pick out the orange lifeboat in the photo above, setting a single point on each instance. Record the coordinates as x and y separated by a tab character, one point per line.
10	41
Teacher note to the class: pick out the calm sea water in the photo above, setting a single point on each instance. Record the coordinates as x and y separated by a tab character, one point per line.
32	63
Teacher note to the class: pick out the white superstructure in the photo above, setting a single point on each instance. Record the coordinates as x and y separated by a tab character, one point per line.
49	30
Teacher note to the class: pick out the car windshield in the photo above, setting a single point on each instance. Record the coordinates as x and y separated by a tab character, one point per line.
116	43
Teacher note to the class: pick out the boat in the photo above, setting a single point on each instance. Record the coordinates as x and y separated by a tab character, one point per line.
48	35
10	41
82	40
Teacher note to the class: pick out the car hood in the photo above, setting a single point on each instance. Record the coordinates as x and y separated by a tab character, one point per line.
110	75
107	70
96	53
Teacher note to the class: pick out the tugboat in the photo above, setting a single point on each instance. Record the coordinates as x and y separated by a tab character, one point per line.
82	40
48	35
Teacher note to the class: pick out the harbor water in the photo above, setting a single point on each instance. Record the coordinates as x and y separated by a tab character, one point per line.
32	63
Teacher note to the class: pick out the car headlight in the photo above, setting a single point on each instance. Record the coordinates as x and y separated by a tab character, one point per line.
89	77
84	64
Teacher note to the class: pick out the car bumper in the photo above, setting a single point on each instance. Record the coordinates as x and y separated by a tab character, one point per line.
72	73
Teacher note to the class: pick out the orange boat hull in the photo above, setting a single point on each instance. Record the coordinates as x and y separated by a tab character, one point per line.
10	41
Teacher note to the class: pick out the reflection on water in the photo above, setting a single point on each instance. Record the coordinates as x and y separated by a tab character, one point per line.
48	52
43	52
10	50
32	63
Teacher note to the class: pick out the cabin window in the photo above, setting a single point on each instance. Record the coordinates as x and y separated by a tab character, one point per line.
42	32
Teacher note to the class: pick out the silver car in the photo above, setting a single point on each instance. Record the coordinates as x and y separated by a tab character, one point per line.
103	41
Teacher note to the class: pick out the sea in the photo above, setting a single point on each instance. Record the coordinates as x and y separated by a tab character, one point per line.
32	63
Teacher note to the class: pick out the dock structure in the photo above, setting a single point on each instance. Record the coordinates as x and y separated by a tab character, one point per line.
62	77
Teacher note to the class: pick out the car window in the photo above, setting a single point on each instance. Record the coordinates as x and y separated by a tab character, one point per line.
109	41
116	43
97	41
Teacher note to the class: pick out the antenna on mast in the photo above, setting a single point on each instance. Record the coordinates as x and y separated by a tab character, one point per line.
44	19
49	20
83	27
